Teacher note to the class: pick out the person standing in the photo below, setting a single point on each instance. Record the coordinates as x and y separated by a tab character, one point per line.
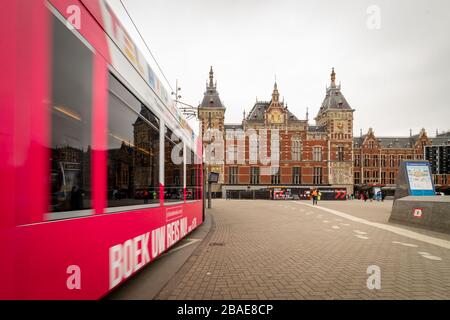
314	195
145	196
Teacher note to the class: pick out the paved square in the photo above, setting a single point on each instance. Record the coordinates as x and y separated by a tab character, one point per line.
290	250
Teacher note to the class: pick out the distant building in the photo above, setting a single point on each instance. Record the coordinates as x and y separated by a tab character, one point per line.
376	159
310	155
438	154
324	155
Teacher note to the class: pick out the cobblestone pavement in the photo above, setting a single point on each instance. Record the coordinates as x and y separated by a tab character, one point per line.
290	250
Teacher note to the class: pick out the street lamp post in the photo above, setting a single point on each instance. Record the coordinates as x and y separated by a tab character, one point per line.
209	186
190	112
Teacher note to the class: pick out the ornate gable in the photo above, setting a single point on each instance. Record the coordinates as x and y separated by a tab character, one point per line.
276	113
370	141
422	139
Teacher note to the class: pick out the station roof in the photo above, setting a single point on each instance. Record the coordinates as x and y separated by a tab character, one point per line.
211	97
441	139
334	99
319	129
260	108
389	142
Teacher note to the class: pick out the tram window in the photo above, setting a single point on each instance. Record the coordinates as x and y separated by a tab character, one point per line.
70	154
193	190
173	167
133	150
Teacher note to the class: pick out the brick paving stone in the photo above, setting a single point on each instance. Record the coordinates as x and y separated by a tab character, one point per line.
278	252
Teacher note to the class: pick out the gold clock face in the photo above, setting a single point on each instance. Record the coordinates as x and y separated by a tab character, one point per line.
340	127
276	117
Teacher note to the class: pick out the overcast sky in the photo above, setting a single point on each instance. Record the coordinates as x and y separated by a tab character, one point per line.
396	77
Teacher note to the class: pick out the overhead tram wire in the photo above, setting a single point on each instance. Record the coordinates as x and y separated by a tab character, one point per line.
146	45
187	109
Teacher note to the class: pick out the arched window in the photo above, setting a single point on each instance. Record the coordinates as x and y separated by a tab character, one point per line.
253	148
317	154
296	149
341	153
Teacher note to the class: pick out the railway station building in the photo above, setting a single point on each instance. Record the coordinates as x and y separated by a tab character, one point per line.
323	154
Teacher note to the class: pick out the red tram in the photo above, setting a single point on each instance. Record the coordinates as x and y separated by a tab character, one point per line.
99	172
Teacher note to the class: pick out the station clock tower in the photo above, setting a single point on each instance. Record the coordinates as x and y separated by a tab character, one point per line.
211	114
336	116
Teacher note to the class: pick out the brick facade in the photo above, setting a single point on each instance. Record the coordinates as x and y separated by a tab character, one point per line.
376	160
322	155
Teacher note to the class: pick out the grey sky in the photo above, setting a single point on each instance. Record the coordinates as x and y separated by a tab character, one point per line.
396	77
